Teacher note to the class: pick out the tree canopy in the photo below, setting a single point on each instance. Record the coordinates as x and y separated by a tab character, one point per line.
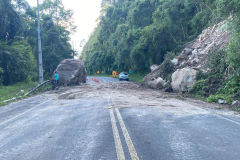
19	41
134	34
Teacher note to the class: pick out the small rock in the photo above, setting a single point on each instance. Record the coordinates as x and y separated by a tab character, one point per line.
220	101
175	61
235	103
22	90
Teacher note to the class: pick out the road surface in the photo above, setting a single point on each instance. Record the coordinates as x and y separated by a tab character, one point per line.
114	120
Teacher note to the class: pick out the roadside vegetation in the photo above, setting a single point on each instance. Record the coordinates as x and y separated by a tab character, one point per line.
18	90
19	44
139	33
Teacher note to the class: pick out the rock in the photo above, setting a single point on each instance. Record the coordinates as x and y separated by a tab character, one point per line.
175	61
220	101
183	79
158	83
152	82
235	103
186	52
153	67
210	40
71	71
153	79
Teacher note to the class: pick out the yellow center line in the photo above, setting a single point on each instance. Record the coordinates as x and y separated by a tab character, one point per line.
118	144
128	140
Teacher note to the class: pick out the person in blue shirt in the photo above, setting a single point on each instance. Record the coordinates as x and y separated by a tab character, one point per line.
56	79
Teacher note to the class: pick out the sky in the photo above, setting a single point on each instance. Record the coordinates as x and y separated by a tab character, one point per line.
85	13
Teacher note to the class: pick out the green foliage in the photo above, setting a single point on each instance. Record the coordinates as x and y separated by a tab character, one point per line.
217	63
137	77
18	39
215	98
200	75
17	61
209	84
137	34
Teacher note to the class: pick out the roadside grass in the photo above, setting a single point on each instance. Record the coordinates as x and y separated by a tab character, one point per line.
136	77
16	90
19	89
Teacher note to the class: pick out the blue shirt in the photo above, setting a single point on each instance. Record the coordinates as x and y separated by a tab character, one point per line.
56	76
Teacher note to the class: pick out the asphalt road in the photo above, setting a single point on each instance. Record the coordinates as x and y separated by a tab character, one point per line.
46	128
102	79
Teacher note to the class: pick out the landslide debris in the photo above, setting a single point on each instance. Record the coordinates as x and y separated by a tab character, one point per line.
193	57
129	94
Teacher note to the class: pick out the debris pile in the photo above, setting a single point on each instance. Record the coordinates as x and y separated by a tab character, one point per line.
192	59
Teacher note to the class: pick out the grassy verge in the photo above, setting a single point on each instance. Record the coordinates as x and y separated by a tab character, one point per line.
132	77
18	89
136	77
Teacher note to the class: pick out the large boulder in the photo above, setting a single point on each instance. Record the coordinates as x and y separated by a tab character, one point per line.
183	79
71	71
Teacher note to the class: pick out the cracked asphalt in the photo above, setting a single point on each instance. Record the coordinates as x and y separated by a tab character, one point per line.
116	120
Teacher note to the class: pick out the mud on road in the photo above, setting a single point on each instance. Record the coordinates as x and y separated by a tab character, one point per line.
130	94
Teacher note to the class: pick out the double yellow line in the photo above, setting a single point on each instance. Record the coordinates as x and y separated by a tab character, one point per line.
118	144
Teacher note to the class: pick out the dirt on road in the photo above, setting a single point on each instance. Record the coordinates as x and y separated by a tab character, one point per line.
129	94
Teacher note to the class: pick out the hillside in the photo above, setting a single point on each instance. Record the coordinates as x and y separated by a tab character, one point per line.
139	33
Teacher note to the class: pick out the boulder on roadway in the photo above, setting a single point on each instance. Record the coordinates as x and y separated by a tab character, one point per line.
71	71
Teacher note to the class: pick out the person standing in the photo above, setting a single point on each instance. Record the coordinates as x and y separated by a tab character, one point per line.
56	79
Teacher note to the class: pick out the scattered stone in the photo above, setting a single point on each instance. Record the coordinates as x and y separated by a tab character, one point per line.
22	90
212	39
186	52
71	71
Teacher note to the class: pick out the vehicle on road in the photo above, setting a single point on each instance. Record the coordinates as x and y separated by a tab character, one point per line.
123	76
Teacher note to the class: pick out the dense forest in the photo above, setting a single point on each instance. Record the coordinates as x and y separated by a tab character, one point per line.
19	40
134	34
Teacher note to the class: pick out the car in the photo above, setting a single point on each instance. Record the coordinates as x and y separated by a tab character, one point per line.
123	76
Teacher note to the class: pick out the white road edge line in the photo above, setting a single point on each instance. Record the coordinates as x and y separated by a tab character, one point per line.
227	119
128	140
23	113
118	144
